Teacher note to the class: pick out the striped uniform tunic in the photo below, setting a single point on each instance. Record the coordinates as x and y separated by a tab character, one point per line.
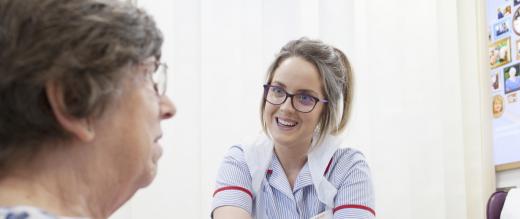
347	171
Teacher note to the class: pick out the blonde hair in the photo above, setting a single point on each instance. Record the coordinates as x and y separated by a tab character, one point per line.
500	100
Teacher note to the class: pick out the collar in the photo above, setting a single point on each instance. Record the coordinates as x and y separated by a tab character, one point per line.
278	180
259	157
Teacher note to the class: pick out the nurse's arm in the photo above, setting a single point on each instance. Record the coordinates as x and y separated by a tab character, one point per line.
230	212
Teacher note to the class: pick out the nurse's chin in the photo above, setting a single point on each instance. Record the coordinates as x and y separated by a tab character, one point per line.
284	140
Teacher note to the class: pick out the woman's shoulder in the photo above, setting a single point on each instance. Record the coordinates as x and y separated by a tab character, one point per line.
24	212
250	145
345	161
236	152
234	157
349	155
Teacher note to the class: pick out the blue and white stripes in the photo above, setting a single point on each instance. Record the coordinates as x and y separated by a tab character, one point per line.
348	172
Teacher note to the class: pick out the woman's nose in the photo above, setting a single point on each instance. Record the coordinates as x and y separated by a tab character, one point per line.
167	108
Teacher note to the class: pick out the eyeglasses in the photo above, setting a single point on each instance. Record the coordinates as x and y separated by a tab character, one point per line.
158	76
301	102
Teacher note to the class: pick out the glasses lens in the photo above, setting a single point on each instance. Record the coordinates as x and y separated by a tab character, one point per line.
276	95
303	102
159	79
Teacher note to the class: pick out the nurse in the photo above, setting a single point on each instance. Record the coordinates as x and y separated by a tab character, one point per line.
299	168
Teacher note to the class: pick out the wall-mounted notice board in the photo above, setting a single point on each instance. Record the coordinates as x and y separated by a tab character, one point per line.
503	20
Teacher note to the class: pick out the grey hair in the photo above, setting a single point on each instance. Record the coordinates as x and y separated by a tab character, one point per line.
337	80
81	45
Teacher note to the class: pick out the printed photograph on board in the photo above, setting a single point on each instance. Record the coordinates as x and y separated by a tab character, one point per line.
517	49
498	106
516	21
512	78
500	53
495	81
501	29
503	11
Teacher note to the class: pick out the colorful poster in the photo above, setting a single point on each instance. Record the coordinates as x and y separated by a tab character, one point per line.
503	20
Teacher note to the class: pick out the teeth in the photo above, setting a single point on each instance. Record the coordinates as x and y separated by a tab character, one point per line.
285	122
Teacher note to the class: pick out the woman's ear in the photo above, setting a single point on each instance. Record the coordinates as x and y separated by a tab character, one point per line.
80	128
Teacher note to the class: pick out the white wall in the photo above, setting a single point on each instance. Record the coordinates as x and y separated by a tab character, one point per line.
420	113
508	178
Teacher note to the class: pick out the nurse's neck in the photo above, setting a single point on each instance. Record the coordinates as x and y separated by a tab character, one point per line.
292	158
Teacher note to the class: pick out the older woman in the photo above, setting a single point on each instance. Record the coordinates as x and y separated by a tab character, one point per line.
82	96
299	168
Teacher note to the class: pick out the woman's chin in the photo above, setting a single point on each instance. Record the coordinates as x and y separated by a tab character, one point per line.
149	176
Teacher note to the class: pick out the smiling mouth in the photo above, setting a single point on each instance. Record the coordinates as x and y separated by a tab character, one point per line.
285	123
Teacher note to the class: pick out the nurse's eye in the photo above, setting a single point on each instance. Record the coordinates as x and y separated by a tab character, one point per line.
278	91
306	100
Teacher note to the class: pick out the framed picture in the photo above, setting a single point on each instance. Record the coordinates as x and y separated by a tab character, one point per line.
500	53
512	78
516	21
501	28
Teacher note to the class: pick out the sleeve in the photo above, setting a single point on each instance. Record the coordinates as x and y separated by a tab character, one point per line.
355	197
233	184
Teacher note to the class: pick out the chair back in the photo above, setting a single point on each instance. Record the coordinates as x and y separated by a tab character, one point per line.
495	205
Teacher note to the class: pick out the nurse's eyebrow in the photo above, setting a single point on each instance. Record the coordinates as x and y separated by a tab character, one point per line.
307	91
278	84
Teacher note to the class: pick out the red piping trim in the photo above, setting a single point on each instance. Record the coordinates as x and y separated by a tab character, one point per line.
355	206
233	188
328	166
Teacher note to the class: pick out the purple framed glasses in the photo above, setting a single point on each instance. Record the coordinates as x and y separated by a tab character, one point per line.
301	102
